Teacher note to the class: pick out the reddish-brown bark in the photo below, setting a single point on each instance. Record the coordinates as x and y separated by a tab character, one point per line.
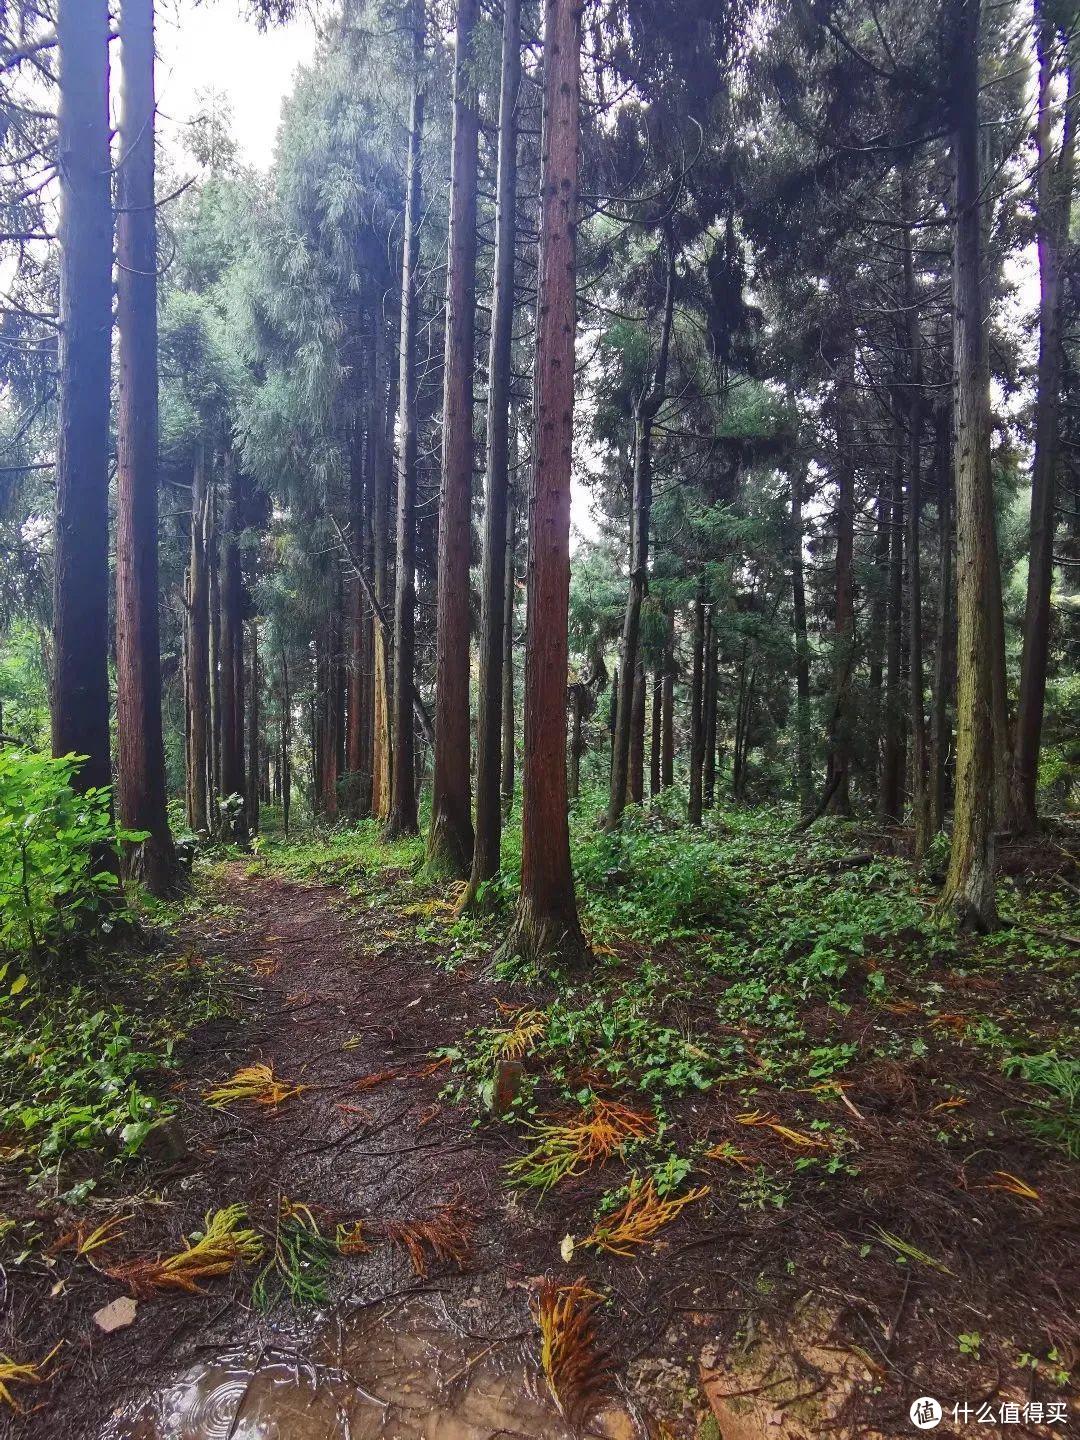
140	780
546	922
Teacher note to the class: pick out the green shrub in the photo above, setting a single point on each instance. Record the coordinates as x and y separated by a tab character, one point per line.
51	840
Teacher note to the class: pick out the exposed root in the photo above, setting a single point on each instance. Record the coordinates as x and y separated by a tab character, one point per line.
578	1373
638	1220
224	1244
252	1082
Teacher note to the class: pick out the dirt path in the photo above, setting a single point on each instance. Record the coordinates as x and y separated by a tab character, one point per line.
340	1004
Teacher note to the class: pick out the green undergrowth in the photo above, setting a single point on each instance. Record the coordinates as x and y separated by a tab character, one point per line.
82	1064
736	957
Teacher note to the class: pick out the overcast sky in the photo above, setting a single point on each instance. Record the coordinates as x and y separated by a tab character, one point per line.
209	45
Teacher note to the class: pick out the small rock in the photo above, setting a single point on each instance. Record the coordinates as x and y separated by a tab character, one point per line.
117	1315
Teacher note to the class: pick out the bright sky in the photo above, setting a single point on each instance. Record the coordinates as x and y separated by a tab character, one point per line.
210	45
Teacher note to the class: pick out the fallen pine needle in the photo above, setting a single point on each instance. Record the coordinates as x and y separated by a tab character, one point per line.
252	1082
1013	1185
350	1239
565	1147
907	1251
727	1152
514	1043
12	1373
638	1220
224	1244
954	1102
578	1374
771	1122
446	1233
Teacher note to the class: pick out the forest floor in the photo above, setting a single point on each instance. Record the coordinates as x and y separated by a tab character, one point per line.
848	1140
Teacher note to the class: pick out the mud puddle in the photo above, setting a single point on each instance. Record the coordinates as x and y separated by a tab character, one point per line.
395	1373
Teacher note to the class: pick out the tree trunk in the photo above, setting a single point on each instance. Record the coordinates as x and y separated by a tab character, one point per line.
546	922
450	837
840	726
697	726
232	640
646	407
140	780
286	745
214	591
493	618
710	701
667	739
402	819
508	736
655	731
637	738
356	649
1053	213
254	767
804	774
940	731
969	885
380	474
197	652
891	786
920	764
80	693
577	703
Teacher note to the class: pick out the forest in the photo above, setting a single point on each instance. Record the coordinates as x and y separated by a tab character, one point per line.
540	723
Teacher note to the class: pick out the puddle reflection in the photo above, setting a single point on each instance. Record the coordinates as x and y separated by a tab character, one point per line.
388	1374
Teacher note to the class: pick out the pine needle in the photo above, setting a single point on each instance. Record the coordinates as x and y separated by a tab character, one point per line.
1013	1185
252	1082
12	1373
446	1233
729	1153
224	1244
516	1042
350	1239
638	1220
563	1149
103	1234
954	1102
578	1374
771	1122
907	1251
299	1265
86	1241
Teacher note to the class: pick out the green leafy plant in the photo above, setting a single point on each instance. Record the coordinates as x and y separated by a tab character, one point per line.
52	884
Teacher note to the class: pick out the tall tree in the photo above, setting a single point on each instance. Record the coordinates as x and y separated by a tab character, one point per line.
80	697
646	407
493	606
1054	187
380	473
546	924
197	650
402	819
450	837
841	720
140	781
969	885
